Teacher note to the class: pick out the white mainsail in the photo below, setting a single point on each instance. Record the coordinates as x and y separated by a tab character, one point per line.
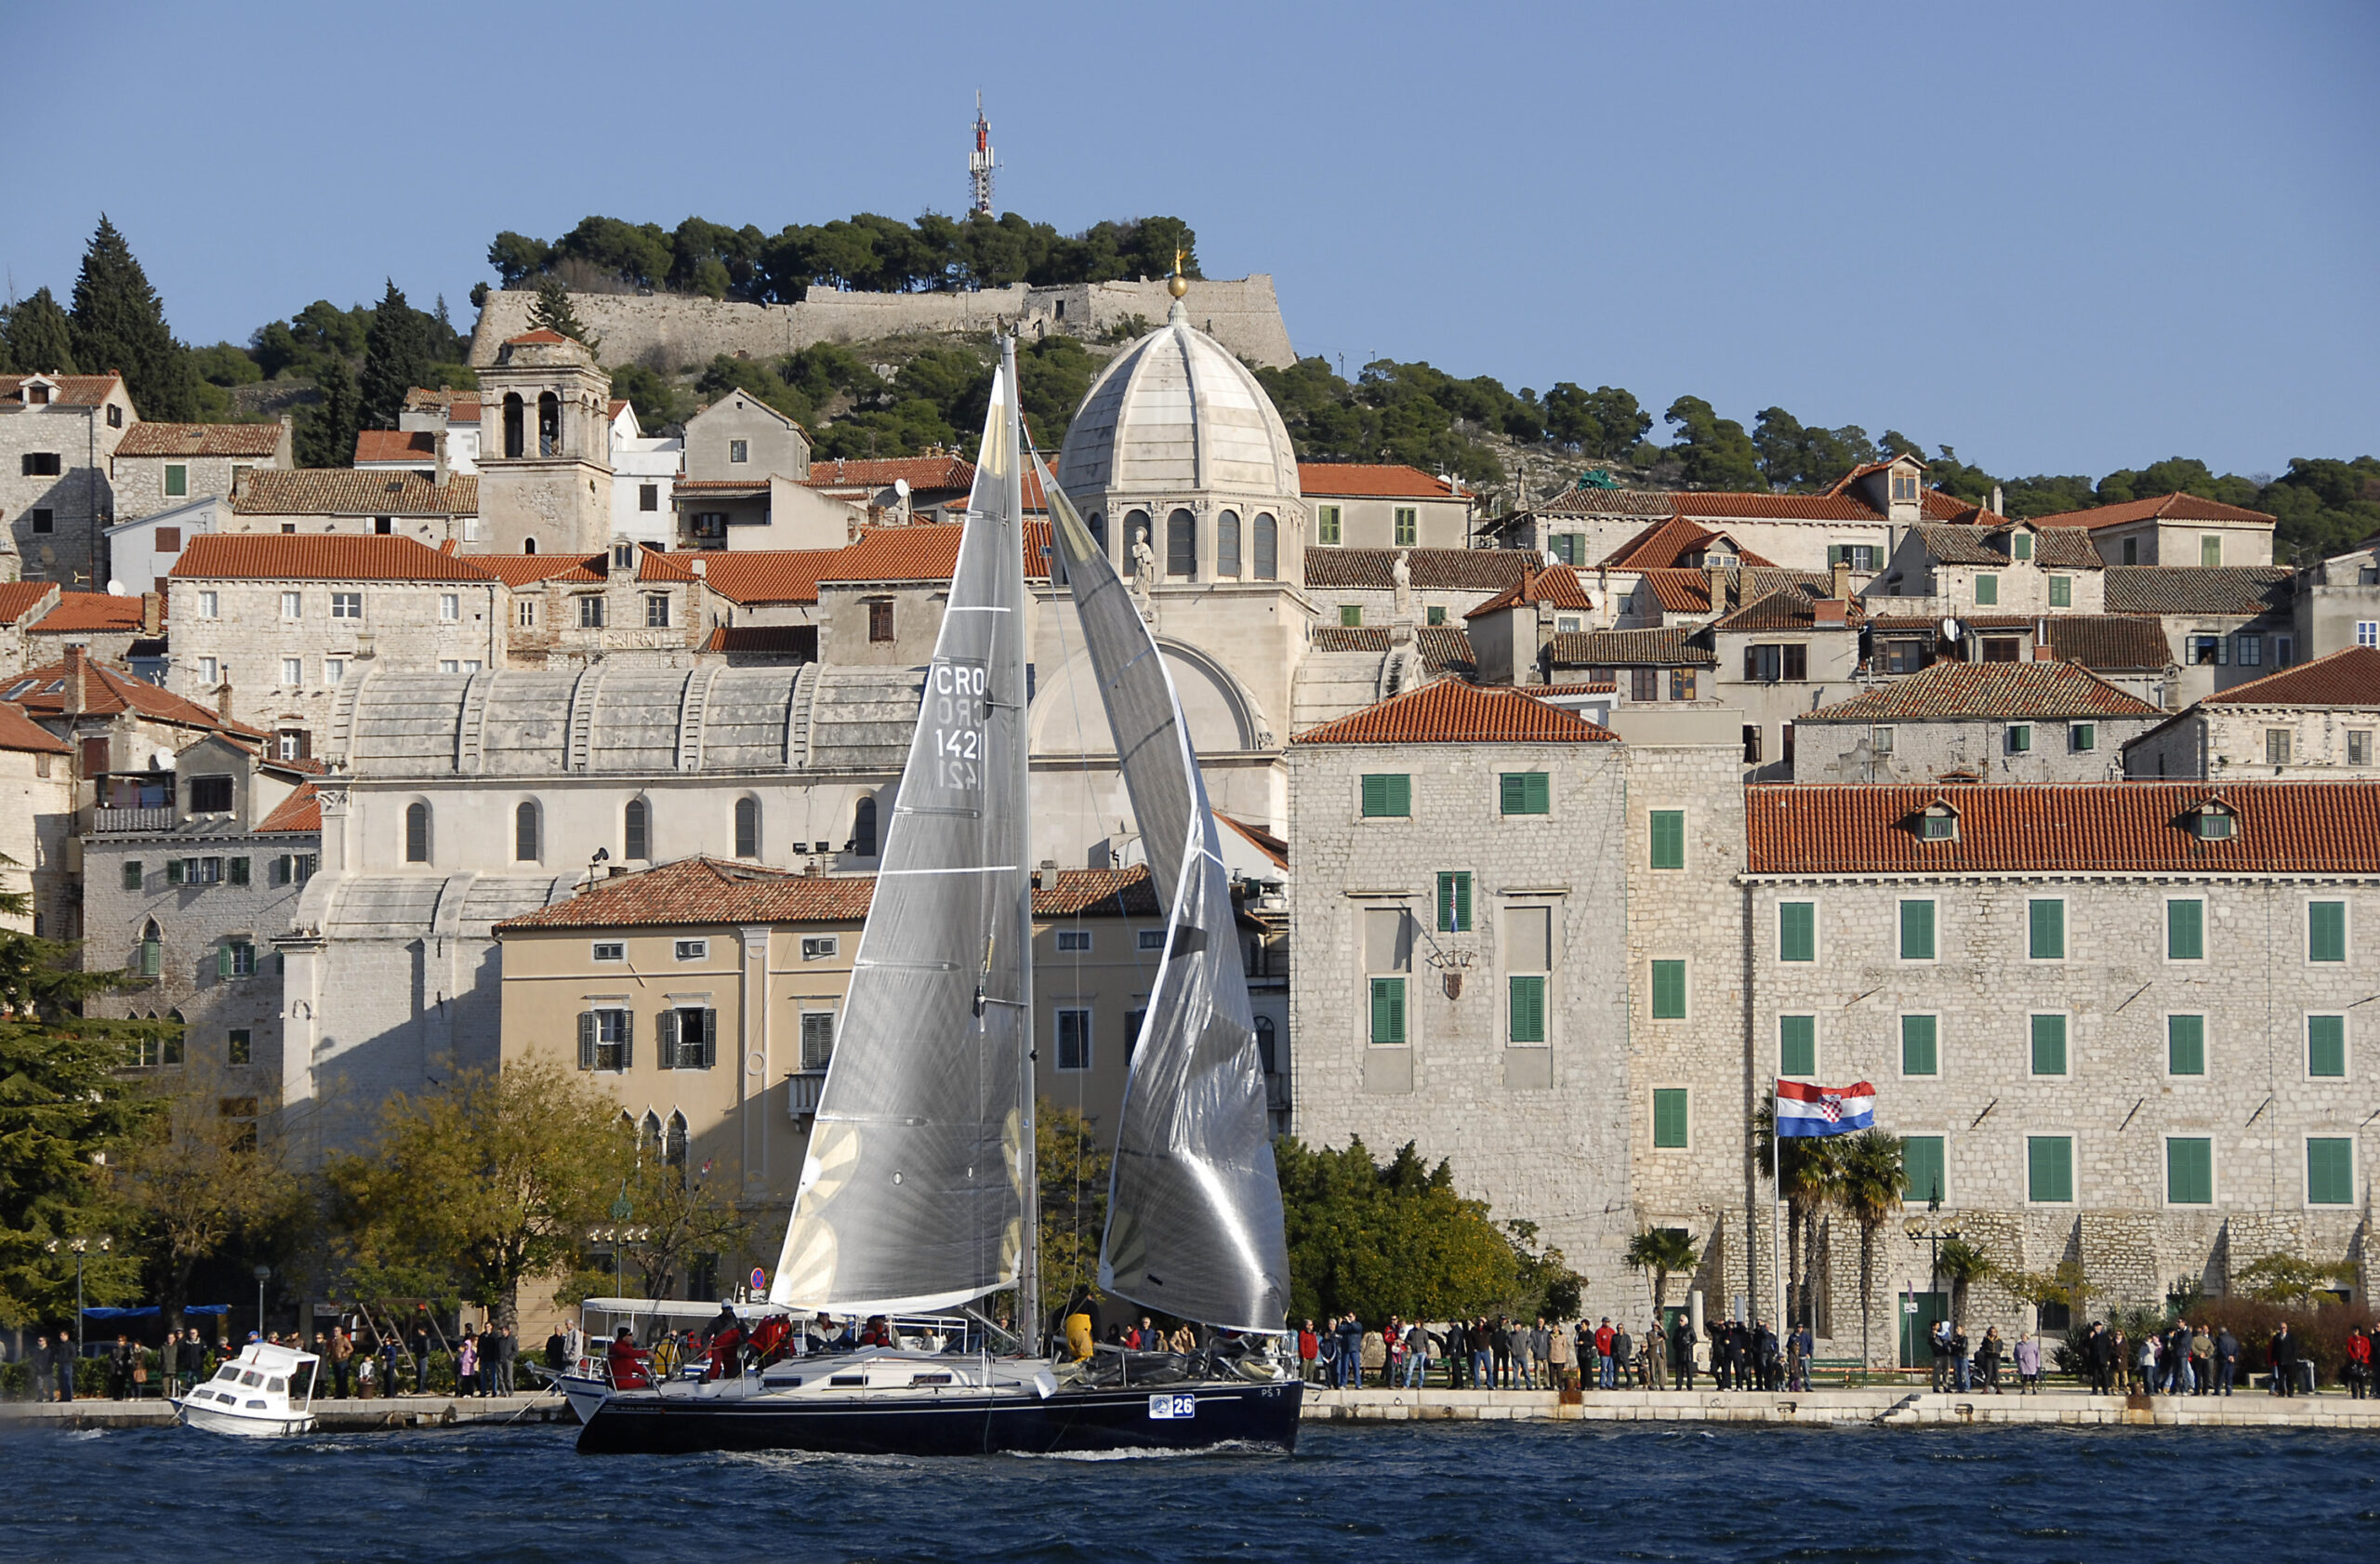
914	1191
1193	1210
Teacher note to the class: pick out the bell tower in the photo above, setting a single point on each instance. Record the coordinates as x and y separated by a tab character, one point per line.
545	447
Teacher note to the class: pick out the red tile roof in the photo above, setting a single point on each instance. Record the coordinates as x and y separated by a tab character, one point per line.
781	641
1356	480
2242	590
340	491
541	334
922	553
1792	608
701	891
267	556
2113	827
1556	584
1670	646
768	574
2165	508
107	690
2047	690
200	440
2110	641
1688	591
1449	711
1837	505
460	406
1674	544
20	732
1443	648
302	811
943	472
74	390
2348	678
395	444
1447	570
522	570
20	598
79	613
1091	893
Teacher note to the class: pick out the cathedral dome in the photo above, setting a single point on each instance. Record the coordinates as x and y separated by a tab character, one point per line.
1176	414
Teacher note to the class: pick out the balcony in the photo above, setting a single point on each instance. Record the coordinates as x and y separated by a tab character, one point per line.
801	1090
104	819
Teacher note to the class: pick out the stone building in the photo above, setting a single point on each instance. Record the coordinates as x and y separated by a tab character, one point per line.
746	484
161	466
23	604
2173	529
58	433
104	625
323	500
545	467
36	819
141	551
2315	722
564	611
2010	567
2224	626
2038	722
1384	505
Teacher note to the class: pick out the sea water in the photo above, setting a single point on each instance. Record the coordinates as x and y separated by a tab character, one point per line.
1507	1494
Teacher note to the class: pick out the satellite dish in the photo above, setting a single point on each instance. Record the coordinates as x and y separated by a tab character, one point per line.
117	588
901	487
1949	630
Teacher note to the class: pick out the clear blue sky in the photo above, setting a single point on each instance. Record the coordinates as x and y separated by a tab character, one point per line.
2061	237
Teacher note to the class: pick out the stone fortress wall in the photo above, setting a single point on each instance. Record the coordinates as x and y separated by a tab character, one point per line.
679	331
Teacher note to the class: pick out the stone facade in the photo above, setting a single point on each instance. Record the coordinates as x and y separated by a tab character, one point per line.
163	467
58	435
1990	749
545	461
2226	741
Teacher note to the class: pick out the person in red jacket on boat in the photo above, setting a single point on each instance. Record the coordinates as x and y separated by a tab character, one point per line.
627	1362
726	1346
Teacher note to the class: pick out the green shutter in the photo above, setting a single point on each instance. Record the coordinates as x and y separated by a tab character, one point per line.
2049	1169
222	961
1388	1010
1797	930
2189	1171
2330	1171
1797	1045
2326	1045
1389	794
2049	1045
1917	930
2186	1045
665	1040
2061	592
2048	930
177	871
1668	838
1669	1118
1527	792
132	874
1920	1053
2185	931
237	869
587	1039
1922	1168
2326	931
1987	591
1454	901
1669	990
1528	1009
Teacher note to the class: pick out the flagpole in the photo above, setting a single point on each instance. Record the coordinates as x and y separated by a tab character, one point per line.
1776	1196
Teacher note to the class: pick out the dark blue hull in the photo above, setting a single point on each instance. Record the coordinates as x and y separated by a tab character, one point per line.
1192	1416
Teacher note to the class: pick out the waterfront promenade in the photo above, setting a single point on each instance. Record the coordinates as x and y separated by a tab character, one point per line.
1884	1406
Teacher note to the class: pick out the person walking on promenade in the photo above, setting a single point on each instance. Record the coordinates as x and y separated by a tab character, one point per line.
2227	1360
507	1352
121	1358
1560	1355
1309	1353
1351	1352
1682	1353
2359	1364
2098	1357
170	1355
2029	1364
193	1362
466	1365
2202	1360
1937	1342
1604	1335
1482	1355
1986	1359
1806	1348
1525	1358
421	1357
1962	1363
1417	1355
1623	1358
2282	1352
1500	1337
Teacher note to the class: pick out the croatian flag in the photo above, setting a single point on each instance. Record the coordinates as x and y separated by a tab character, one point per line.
1824	1110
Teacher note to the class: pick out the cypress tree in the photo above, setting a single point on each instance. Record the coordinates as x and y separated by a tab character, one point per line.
396	359
553	313
119	324
38	338
327	429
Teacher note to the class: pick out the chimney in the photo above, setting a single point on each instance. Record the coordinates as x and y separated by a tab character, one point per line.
224	700
1996	508
1716	572
1829	612
1841	589
438	449
152	613
700	566
77	691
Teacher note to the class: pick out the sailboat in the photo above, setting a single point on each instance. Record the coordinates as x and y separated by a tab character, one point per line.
916	1196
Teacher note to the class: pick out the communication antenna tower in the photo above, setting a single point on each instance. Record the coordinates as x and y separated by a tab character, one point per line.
980	164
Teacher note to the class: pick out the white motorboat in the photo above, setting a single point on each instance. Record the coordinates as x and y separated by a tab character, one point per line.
267	1391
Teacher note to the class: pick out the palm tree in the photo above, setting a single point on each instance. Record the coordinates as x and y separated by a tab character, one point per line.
1807	1180
1662	1251
1870	1192
1962	1262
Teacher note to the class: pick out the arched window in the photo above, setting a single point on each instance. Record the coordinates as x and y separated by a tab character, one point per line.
673	1153
648	1134
525	833
417	832
514	439
528	545
864	829
549	425
747	827
1136	532
1228	543
152	950
1265	1045
636	832
1098	526
1268	548
1182	544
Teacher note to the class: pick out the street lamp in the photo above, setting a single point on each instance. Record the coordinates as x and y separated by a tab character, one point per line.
263	1274
80	1246
1928	1230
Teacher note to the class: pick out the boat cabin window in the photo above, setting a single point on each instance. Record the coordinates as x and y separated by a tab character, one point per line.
228	1373
252	1378
278	1387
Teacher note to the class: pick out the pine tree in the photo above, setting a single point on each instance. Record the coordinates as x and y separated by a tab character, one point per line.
327	429
120	323
39	338
396	359
553	313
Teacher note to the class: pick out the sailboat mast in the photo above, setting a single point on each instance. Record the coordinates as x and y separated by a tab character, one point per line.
1028	1259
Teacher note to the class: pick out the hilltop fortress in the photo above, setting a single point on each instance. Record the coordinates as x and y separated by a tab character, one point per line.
678	331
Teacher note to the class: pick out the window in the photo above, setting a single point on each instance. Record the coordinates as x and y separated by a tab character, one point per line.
2020	739
1326	525
2330	1171
1150	939
2367	632
2213	822
2251	649
2049	1044
1525	792
1669	1118
606	1039
2132	550
2189	1171
1388	1010
1454	902
1388	796
1904	485
1921	1050
2276	746
590	612
44	519
1797	1045
209	672
40	464
238	1046
210	795
524	832
747	827
450	607
450	665
817	1039
1644	685
648	497
1681	683
1388	956
1076	942
293	605
236	959
344	605
1408	529
1669	990
656	610
1434	615
1569	547
417	833
334	670
864	829
707	524
1770	664
1351	614
384	525
2326	931
2020	545
2061	592
1228	543
2081	738
2184	930
2326	1047
2185	1045
2359	747
290	869
1074	1039
293	673
611	950
210	606
739	450
879	620
169	539
2049	1170
1917	930
635	833
1528	955
236	870
2046	922
1751	743
152	943
132	877
691	950
1858	556
1268	548
823	948
2205	651
1797	930
2210	551
1525	1007
1922	1167
687	1040
1987	590
1181	543
1668	838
